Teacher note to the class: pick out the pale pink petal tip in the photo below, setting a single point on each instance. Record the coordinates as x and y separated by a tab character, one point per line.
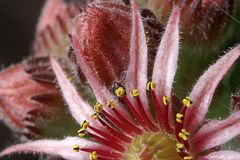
216	133
79	109
136	77
222	155
204	89
166	59
61	148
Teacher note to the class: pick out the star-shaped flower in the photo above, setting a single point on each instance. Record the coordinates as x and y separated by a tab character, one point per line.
136	120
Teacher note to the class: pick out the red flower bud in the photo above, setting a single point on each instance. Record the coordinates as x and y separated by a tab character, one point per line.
101	38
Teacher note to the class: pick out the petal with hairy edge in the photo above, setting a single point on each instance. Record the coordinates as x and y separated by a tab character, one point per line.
100	91
79	109
216	133
165	64
61	148
136	76
204	89
222	155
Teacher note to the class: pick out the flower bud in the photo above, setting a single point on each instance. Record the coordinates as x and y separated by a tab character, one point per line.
202	21
101	36
54	26
24	103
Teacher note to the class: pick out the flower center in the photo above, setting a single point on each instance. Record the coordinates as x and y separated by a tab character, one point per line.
152	146
135	134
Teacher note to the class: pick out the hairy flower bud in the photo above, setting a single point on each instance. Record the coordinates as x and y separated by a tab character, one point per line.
202	21
24	102
101	37
54	26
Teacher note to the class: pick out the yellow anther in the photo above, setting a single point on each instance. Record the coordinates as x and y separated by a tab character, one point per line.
82	134
151	86
179	117
184	134
188	158
179	147
111	104
93	156
187	101
166	100
76	148
98	107
84	125
119	91
95	116
134	93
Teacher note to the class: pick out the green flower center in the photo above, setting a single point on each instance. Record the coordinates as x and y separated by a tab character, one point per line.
152	146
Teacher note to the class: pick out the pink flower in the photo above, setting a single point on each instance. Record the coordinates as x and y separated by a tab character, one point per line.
136	120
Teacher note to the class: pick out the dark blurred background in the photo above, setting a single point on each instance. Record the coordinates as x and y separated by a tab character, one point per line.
17	26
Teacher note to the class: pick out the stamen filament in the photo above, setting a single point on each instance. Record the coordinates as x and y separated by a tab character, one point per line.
122	118
157	108
146	119
134	112
114	132
120	125
103	153
108	143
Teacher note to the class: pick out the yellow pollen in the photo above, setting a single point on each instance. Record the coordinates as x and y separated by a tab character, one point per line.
188	158
179	117
111	104
119	91
76	148
166	100
184	134
134	93
98	107
93	156
84	126
151	86
187	101
95	116
179	147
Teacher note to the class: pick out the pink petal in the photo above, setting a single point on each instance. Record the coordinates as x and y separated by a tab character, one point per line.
166	59
216	133
61	148
204	89
79	109
136	77
100	91
222	155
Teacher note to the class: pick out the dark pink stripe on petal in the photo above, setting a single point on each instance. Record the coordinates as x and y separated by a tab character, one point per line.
216	133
